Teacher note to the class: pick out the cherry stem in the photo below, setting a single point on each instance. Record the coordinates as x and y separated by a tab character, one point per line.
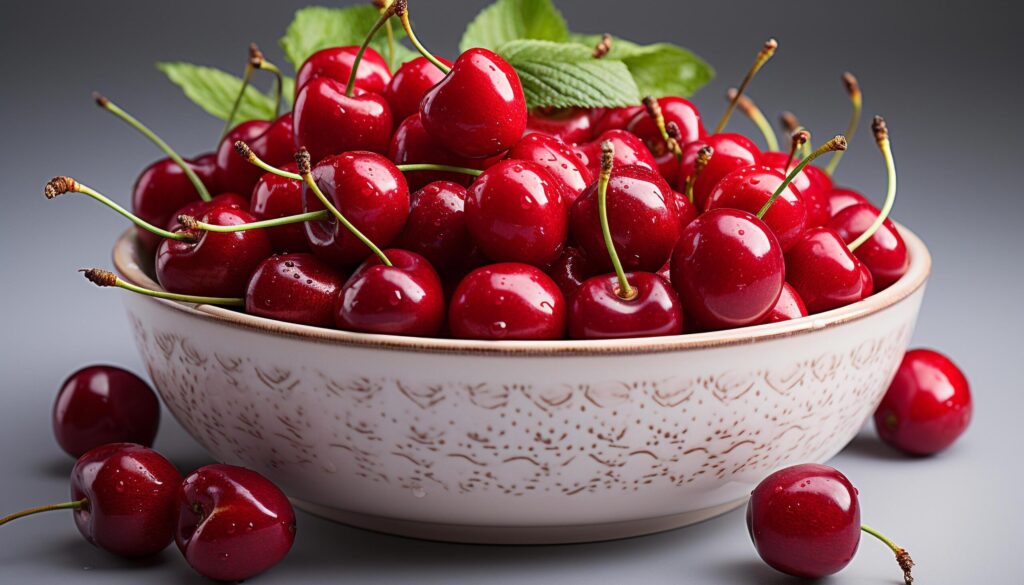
60	185
797	142
882	138
245	152
902	556
625	292
401	9
763	56
382	6
302	158
856	103
703	158
38	509
104	278
654	111
750	110
406	168
837	143
113	108
603	47
194	224
386	13
791	125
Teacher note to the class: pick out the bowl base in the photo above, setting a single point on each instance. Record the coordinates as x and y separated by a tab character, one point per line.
517	535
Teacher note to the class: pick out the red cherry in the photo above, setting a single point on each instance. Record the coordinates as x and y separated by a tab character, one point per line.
200	208
403	299
411	82
328	122
232	522
478	110
570	270
104	404
336	63
515	212
246	132
749	188
369	191
629	151
216	264
569	125
812	183
557	158
597	311
605	119
824	272
731	151
411	144
641	215
686	211
163	188
507	301
789	306
728	269
884	253
273	146
275	196
928	405
686	117
436	228
297	288
840	198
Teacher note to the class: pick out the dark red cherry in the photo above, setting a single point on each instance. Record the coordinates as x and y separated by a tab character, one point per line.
275	196
597	311
163	188
789	306
233	523
641	216
731	151
297	288
199	208
728	269
805	520
226	155
812	183
884	253
436	228
104	404
570	125
629	151
686	117
685	210
217	264
749	188
840	198
570	270
327	122
824	272
411	82
478	110
515	212
605	119
411	144
557	158
273	146
336	63
403	299
507	301
370	192
928	405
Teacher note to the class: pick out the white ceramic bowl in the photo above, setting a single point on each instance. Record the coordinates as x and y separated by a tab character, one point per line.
520	442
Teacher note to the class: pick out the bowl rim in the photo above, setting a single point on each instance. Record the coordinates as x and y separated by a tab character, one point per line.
126	262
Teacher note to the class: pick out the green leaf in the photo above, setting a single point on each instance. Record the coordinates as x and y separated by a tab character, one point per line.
215	91
511	20
566	75
660	69
318	27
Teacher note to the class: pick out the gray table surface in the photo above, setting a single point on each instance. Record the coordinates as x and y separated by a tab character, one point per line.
945	78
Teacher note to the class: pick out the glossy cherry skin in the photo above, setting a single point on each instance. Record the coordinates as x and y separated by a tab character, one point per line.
163	188
557	158
928	405
369	191
685	116
104	404
411	82
507	301
570	125
728	269
605	119
233	523
789	306
403	299
131	499
641	217
570	270
824	272
412	144
805	520
515	212
327	122
840	198
436	229
749	188
686	211
273	145
336	63
884	253
276	196
297	288
629	151
217	264
596	311
812	183
731	151
199	208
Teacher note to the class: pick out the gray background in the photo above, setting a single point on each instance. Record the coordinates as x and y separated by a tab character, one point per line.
946	76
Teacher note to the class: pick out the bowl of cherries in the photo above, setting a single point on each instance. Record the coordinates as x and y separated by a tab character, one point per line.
421	303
